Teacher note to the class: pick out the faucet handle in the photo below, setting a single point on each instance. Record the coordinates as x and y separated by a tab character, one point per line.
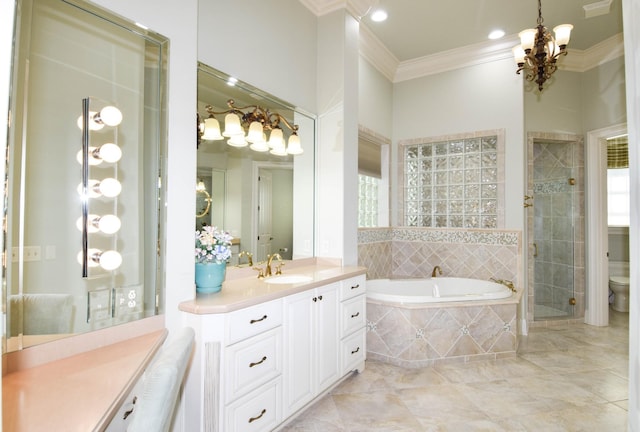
260	272
279	268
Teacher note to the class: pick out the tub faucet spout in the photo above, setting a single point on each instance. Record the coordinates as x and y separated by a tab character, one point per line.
436	271
507	283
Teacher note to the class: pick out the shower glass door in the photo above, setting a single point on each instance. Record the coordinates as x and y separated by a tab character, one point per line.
553	229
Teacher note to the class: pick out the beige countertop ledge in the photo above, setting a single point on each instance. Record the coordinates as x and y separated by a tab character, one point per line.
77	383
242	288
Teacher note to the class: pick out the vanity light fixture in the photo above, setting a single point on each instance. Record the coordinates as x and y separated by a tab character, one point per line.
538	51
108	224
256	121
108	152
109	115
108	187
108	260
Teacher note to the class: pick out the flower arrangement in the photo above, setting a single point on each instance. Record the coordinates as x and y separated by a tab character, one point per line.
212	245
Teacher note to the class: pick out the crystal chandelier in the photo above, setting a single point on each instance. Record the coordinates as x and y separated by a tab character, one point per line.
538	51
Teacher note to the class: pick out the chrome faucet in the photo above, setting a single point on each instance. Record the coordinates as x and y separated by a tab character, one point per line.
436	271
249	256
267	270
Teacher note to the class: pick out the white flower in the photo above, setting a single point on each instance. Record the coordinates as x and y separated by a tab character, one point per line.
212	245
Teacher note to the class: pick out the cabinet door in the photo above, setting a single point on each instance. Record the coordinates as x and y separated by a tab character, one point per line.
298	368
327	336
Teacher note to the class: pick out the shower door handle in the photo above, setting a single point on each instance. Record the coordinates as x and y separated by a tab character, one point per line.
527	198
535	250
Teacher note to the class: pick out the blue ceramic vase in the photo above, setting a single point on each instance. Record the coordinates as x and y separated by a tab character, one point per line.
209	277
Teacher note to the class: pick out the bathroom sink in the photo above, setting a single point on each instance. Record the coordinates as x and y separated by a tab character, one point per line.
289	279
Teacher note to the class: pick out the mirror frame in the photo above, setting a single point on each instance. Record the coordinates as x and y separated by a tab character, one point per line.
151	248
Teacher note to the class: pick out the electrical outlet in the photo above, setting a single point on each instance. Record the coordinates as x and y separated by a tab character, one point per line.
29	253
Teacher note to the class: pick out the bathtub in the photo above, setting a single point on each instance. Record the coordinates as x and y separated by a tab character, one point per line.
434	290
420	322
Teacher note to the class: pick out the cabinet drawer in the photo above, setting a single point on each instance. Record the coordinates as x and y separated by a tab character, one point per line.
354	350
259	411
244	323
352	287
354	315
253	362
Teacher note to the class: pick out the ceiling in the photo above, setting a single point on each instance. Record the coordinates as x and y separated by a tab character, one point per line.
417	30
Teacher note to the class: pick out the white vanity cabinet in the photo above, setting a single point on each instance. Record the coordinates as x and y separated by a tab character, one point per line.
257	366
312	359
353	319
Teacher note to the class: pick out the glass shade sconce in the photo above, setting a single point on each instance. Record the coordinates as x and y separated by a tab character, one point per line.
257	121
99	190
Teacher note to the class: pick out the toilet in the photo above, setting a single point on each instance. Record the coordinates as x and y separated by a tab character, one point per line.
620	287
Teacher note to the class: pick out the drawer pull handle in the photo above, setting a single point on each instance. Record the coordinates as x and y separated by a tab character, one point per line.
356	286
252	419
357	349
319	297
253	321
257	363
128	412
355	314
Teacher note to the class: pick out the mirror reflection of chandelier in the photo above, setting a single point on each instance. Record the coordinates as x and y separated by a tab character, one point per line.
256	121
538	51
201	188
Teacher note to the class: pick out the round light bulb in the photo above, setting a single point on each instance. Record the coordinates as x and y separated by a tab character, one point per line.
109	115
110	187
110	260
109	224
109	152
92	159
91	228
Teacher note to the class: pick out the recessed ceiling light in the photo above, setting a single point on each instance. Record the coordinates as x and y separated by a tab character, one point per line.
378	15
496	34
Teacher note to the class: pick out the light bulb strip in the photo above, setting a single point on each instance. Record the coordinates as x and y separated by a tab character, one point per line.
85	186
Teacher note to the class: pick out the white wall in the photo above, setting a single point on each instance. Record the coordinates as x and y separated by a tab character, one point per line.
603	95
558	108
268	44
482	97
375	96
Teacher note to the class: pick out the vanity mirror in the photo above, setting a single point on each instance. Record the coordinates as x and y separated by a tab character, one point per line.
263	197
83	189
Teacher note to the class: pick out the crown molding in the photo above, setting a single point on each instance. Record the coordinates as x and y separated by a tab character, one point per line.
376	53
357	8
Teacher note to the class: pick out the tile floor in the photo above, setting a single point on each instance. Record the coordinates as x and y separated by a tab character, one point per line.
565	378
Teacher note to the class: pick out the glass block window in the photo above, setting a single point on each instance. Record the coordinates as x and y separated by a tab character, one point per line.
368	201
452	184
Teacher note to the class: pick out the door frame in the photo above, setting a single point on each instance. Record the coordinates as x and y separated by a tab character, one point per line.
597	276
255	172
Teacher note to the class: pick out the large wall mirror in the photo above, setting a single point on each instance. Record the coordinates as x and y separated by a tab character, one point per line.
83	196
263	198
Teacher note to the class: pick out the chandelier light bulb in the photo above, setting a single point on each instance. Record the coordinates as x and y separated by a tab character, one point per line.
527	38
109	115
563	34
109	187
260	146
276	138
232	125
237	141
255	132
211	130
108	152
294	146
518	54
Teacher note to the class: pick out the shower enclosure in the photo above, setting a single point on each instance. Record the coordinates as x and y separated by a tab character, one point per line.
554	229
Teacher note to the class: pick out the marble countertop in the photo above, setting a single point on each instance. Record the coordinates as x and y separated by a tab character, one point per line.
244	289
81	392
